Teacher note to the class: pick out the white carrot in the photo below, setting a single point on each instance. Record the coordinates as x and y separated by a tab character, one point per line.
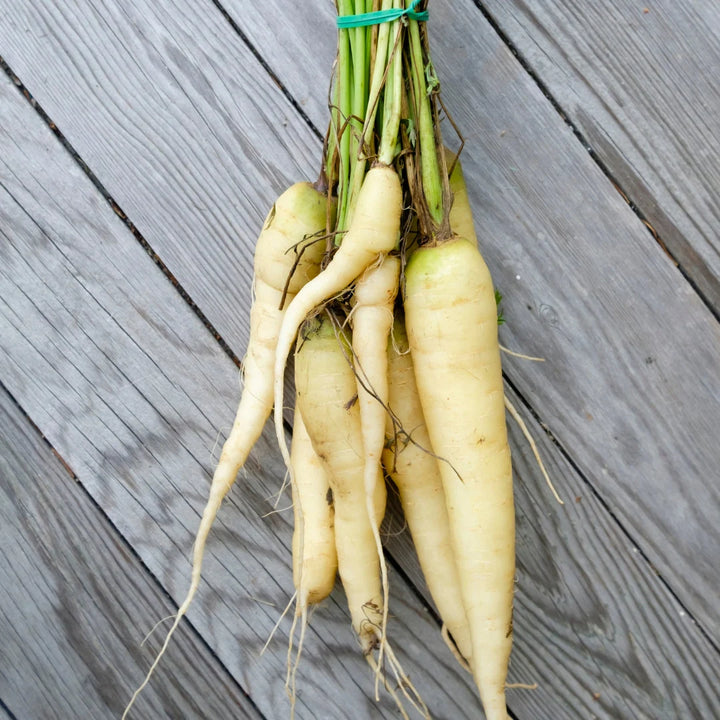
410	463
451	322
327	398
462	224
372	319
326	390
314	554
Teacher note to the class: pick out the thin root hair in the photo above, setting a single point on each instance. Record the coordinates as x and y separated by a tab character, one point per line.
388	532
531	441
303	245
155	627
507	351
292	667
445	634
277	511
281	491
398	702
279	620
405	684
178	617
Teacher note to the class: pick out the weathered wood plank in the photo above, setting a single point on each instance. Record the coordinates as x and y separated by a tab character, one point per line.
129	386
73	598
640	84
281	35
631	643
180	123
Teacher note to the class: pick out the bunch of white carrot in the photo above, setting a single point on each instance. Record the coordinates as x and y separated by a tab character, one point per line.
373	276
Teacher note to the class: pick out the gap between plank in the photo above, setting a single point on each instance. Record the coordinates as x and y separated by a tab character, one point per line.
7	711
263	62
127	547
117	209
527	67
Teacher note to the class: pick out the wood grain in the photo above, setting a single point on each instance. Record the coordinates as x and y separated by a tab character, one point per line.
179	122
629	387
129	386
74	598
297	42
591	611
639	83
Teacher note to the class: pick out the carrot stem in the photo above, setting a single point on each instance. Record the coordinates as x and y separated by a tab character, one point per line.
430	170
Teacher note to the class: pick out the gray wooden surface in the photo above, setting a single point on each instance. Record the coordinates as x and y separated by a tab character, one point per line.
81	648
125	252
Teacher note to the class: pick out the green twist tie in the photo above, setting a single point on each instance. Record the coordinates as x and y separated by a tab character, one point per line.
382	16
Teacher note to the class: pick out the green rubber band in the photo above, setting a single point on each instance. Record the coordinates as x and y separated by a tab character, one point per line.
382	16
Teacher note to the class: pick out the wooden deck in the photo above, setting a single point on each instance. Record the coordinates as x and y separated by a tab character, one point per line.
141	144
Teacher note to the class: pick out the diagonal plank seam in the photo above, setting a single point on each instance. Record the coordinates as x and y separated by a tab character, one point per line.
263	62
611	514
117	209
6	710
555	104
126	546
